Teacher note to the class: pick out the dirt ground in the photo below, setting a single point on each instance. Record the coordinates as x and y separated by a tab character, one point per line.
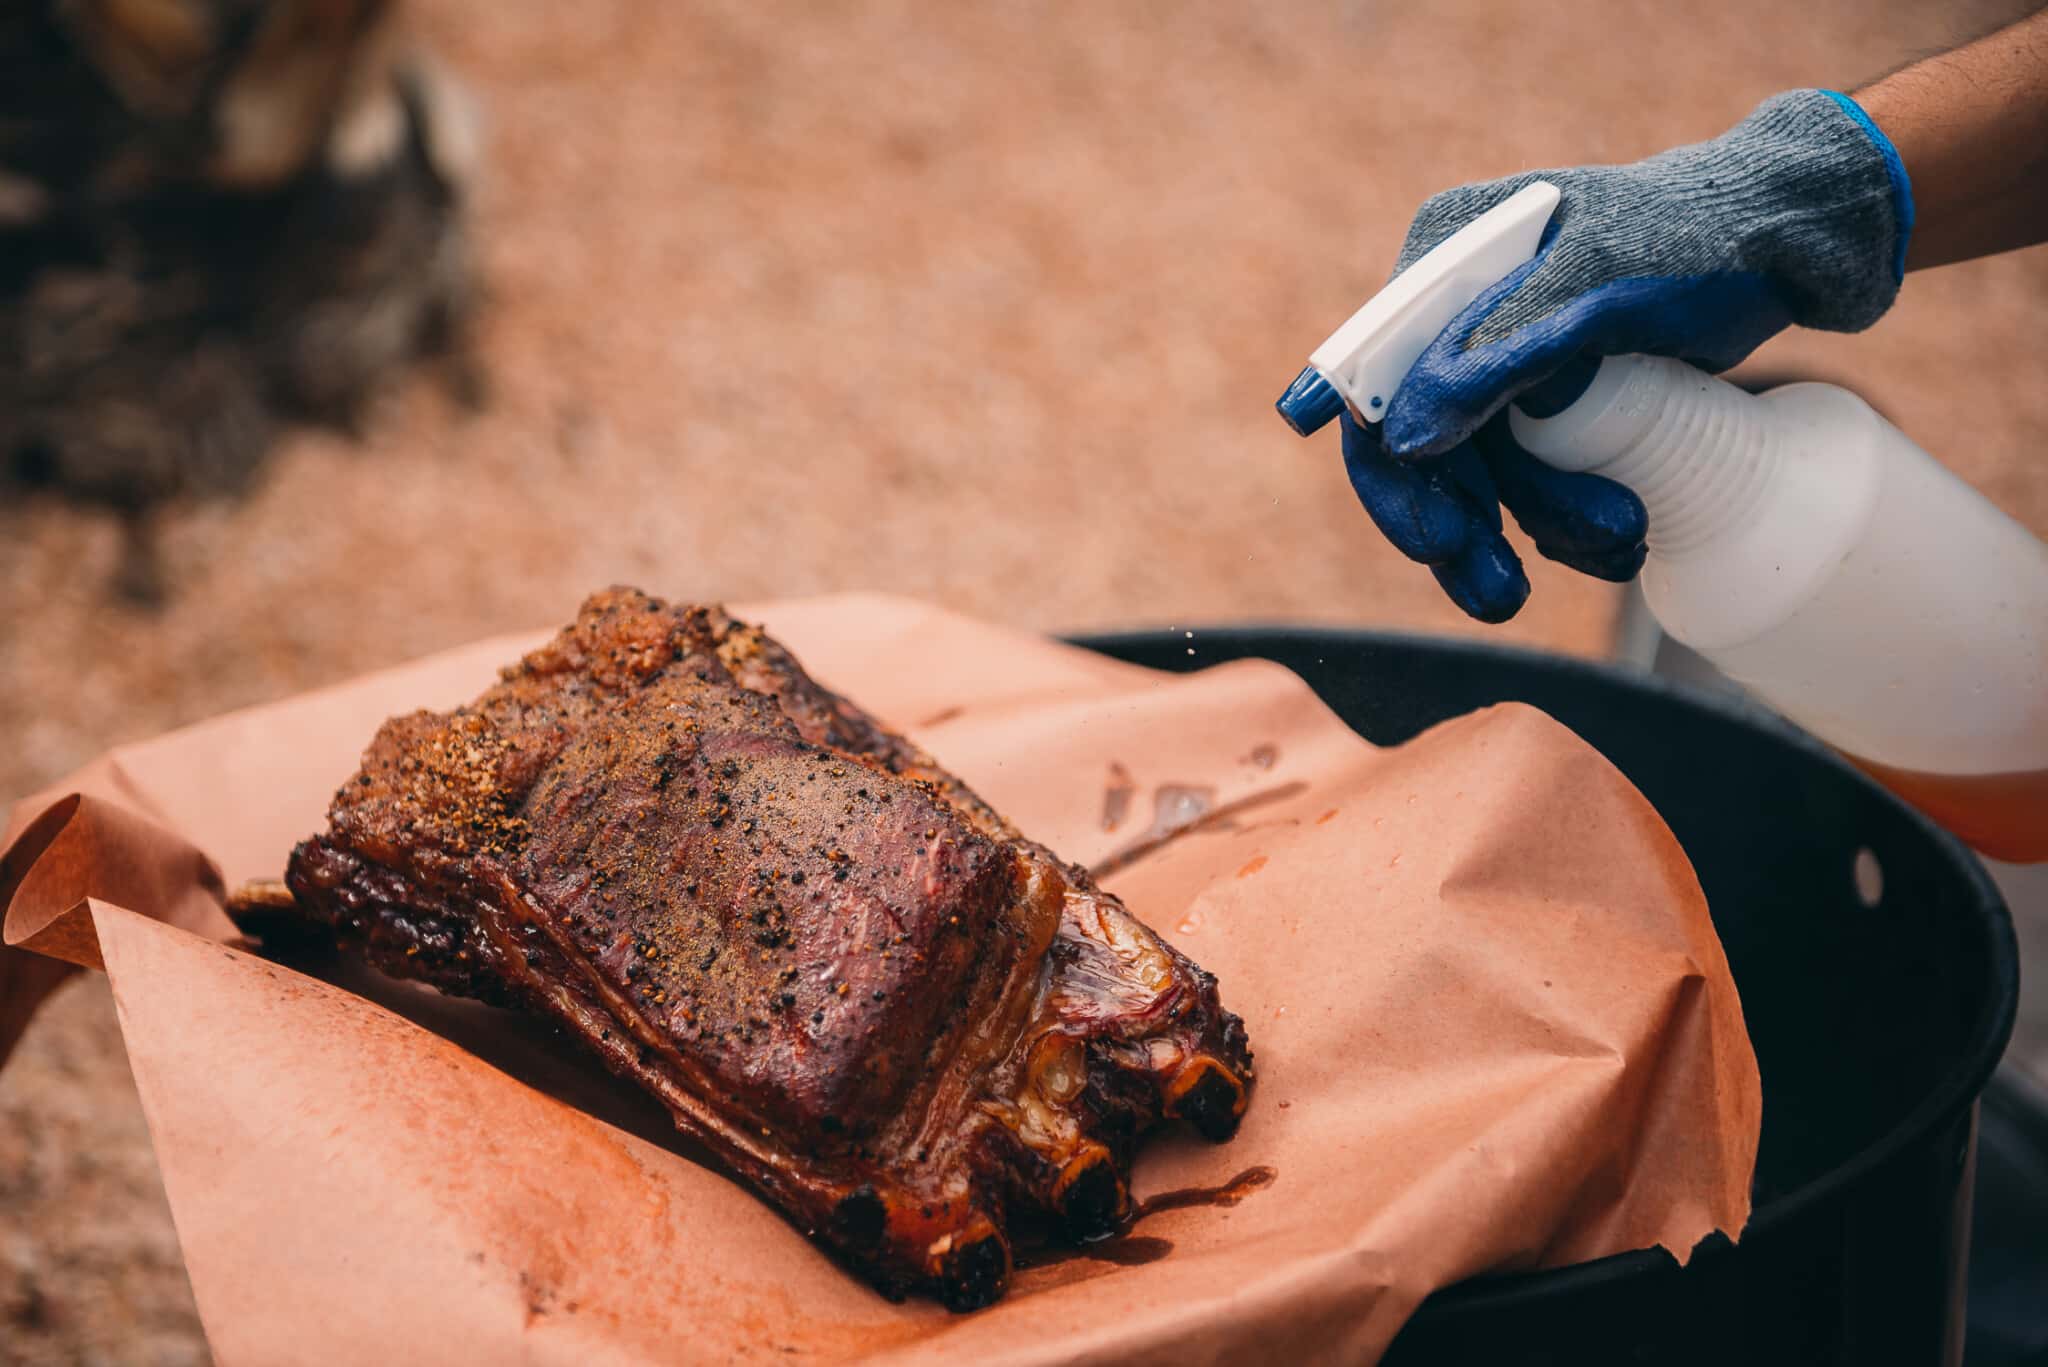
987	304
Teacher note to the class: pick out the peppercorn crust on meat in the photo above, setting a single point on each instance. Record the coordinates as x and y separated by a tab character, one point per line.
914	1031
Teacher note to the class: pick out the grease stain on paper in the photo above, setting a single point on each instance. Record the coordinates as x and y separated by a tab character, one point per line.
1130	1249
1180	809
1116	796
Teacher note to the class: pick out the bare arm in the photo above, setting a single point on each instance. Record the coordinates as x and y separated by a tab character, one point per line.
1972	127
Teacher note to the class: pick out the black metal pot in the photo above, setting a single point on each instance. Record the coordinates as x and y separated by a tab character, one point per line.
1879	1001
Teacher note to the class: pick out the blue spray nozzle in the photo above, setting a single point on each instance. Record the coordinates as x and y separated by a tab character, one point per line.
1310	402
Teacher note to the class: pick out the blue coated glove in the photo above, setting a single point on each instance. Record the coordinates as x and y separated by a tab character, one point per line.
1798	214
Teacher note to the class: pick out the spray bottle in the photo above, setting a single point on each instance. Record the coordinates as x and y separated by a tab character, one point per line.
1797	540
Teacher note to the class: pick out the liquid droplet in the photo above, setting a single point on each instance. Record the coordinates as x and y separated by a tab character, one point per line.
1177	805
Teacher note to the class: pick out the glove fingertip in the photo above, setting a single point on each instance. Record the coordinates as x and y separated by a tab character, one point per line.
1616	566
1486	581
1416	429
1612	512
1574	511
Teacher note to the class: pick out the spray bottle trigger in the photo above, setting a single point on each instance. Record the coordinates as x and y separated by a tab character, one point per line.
1368	357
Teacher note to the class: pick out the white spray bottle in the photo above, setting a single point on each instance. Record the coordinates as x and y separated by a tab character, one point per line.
1800	542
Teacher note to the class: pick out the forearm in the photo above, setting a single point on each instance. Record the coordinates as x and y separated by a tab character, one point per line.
1972	128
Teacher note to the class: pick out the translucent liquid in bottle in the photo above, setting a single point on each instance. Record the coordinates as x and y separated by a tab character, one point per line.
1822	560
2004	816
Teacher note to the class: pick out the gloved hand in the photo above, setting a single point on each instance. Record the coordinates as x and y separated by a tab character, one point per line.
1798	214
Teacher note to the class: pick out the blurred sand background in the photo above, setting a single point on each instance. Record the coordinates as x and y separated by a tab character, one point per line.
986	304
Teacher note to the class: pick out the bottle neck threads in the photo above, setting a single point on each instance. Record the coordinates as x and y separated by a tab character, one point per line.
1695	449
1703	463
